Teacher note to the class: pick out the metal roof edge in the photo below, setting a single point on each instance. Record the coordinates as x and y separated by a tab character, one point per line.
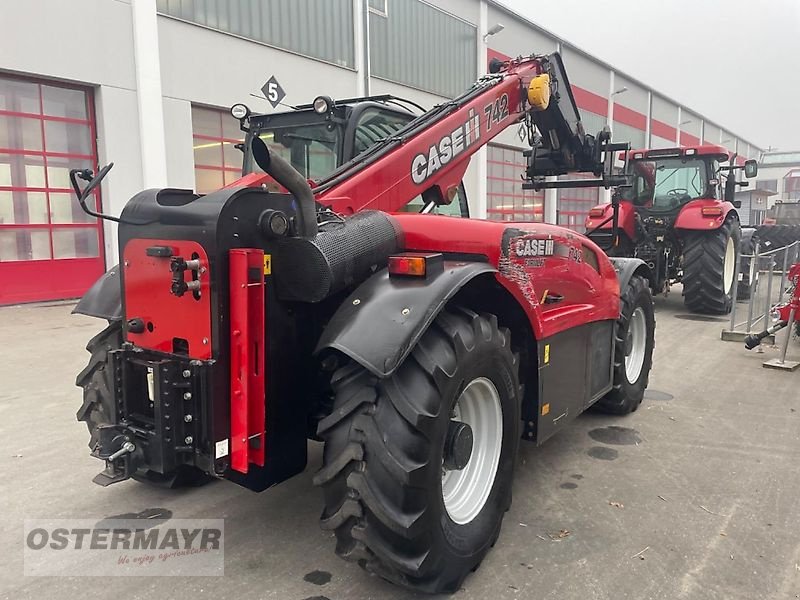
511	12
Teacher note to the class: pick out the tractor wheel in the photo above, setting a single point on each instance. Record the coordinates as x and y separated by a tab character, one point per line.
98	384
709	268
417	467
634	339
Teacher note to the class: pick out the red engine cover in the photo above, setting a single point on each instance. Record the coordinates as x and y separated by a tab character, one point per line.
170	321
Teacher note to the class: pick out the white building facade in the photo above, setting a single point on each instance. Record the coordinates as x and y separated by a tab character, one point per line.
147	84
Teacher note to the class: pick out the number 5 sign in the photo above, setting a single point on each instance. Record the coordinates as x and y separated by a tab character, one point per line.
273	91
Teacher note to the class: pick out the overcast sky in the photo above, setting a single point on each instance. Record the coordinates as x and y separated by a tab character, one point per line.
735	61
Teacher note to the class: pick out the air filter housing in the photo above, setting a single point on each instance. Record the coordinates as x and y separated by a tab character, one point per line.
343	252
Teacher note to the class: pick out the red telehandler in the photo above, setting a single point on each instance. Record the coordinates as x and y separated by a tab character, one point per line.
302	302
678	216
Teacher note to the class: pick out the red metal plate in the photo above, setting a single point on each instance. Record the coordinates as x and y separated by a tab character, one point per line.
147	284
247	358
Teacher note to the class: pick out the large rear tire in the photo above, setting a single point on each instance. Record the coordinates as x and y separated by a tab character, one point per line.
709	268
395	500
97	381
634	340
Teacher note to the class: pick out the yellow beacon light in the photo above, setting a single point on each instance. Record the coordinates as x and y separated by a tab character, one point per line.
539	92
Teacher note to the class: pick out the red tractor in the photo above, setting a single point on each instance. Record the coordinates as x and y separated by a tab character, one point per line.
305	301
677	216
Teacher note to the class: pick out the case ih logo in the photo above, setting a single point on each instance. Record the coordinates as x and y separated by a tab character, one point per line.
424	166
526	247
440	154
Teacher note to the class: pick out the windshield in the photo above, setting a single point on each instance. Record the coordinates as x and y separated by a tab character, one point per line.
313	149
667	183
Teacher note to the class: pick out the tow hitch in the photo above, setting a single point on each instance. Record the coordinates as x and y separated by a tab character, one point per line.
118	451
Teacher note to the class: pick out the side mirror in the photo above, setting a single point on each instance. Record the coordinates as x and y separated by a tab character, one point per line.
737	204
750	168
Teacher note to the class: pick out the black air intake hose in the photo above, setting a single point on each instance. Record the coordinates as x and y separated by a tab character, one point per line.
287	176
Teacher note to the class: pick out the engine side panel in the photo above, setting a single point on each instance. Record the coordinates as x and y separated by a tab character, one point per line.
575	369
561	278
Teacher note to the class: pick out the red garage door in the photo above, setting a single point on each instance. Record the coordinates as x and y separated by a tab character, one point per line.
49	248
506	200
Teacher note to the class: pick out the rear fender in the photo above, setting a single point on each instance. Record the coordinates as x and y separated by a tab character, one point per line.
691	215
627	268
381	321
104	298
626	219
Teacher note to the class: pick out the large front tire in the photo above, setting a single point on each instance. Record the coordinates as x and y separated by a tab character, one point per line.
97	381
634	340
394	498
709	268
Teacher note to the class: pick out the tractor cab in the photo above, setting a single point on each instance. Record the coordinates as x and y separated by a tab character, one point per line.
320	137
665	180
678	214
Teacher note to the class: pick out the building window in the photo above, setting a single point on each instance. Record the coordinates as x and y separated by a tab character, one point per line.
49	247
216	161
574	203
767	184
791	185
506	200
379	7
45	131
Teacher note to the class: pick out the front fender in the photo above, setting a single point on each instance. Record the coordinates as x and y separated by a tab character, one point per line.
627	268
104	298
691	215
382	320
626	219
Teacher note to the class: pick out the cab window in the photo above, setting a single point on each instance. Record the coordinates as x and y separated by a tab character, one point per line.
457	208
374	125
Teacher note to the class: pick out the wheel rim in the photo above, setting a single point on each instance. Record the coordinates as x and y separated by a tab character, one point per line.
635	345
729	265
465	491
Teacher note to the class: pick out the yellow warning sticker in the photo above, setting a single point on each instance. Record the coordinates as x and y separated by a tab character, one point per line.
546	353
268	264
545	409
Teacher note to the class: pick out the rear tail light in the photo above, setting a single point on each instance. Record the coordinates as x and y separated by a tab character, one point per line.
711	211
413	264
597	211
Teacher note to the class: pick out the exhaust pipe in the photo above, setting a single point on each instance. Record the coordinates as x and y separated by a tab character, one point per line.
287	176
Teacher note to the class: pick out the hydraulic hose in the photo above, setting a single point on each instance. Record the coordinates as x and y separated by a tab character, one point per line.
754	339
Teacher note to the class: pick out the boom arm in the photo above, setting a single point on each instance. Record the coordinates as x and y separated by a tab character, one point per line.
430	155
